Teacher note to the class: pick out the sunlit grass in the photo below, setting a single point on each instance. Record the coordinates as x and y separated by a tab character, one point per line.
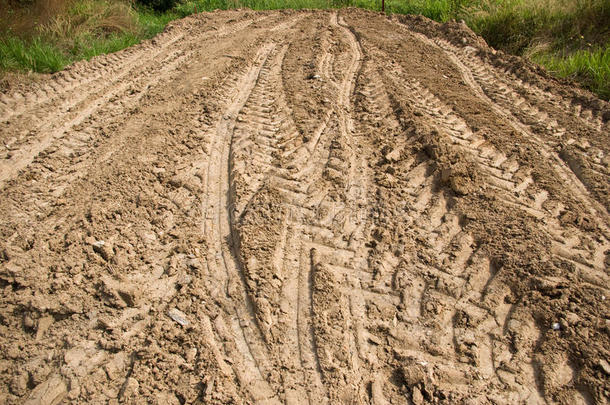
35	55
590	68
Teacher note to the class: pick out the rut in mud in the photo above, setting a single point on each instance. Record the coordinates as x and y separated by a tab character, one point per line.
305	207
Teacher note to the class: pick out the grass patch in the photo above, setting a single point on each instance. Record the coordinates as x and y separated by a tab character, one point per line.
46	42
571	38
591	68
152	23
36	55
438	10
516	25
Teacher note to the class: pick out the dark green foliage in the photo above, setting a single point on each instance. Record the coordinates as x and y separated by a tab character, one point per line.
159	5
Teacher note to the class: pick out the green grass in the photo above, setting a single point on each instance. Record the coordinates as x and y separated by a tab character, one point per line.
590	68
571	38
152	23
36	55
438	10
516	25
88	46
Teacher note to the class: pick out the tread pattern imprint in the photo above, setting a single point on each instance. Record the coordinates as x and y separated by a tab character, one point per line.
304	208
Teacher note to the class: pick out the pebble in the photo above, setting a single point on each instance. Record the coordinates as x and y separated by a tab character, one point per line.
605	366
104	249
178	316
51	392
184	280
191	354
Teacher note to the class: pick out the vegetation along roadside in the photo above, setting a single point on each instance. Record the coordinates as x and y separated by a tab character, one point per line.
571	38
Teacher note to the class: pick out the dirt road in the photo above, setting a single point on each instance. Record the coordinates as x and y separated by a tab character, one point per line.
304	207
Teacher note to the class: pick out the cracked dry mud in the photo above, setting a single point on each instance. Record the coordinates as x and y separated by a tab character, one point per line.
304	207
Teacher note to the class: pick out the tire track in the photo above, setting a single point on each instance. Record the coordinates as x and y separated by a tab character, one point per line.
263	123
117	65
459	276
500	91
506	176
253	366
90	144
516	75
127	324
502	171
119	86
319	220
563	172
514	184
301	187
267	132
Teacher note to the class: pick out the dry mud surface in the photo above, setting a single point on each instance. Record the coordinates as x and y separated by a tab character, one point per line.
304	207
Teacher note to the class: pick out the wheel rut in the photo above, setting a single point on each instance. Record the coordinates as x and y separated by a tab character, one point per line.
304	207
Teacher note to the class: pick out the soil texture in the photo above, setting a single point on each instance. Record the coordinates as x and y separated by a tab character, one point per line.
329	207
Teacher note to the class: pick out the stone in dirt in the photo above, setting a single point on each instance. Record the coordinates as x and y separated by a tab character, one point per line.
50	392
178	316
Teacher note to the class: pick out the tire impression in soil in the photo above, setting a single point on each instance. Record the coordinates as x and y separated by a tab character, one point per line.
304	207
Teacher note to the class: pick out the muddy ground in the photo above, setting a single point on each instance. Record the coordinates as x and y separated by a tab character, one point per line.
304	207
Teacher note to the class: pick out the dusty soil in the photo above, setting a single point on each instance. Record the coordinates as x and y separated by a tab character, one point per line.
304	207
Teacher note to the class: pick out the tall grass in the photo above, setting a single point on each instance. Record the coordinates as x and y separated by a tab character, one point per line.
590	68
571	38
36	55
517	25
53	33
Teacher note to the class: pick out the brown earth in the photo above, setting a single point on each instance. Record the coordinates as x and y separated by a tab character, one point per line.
304	207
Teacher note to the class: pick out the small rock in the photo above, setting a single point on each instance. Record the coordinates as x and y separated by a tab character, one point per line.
184	280
178	316
572	318
44	324
394	155
50	392
103	249
74	357
130	388
555	326
416	396
28	322
19	383
120	293
190	354
115	368
604	365
374	339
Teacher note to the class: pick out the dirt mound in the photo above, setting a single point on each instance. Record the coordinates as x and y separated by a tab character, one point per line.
304	207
